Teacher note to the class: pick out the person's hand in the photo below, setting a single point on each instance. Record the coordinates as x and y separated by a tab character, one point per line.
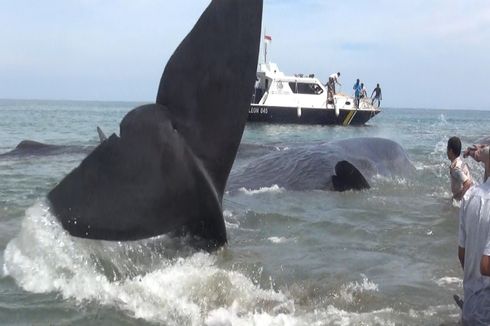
470	151
475	152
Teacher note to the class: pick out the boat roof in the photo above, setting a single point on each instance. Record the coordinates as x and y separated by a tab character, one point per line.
271	70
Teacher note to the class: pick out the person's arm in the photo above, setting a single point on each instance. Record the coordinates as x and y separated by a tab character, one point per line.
462	179
374	90
475	152
461	252
485	258
471	151
485	265
466	185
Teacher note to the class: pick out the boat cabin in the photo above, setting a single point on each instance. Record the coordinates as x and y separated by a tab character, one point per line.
302	99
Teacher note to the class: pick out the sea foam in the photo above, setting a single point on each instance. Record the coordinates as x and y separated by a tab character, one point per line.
262	190
189	290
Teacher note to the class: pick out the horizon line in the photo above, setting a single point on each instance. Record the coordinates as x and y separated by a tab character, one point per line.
149	102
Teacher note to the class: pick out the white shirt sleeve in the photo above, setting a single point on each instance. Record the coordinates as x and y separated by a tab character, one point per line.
462	230
486	210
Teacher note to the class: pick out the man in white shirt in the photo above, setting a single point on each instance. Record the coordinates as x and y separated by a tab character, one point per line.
474	254
459	172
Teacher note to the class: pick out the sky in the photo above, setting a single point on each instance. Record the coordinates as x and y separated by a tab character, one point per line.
424	53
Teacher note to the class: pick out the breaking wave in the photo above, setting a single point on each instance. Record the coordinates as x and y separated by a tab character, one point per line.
136	277
262	190
163	283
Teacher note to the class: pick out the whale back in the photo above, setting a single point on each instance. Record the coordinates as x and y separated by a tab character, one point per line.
28	148
336	165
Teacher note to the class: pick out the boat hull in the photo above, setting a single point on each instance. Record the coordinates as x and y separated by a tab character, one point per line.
321	116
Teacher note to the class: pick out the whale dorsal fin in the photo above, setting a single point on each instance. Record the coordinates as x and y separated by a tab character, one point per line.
101	134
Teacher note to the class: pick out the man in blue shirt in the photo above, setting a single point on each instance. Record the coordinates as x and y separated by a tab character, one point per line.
357	92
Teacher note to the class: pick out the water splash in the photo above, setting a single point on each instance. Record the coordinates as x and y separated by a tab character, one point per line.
160	284
278	240
272	189
189	290
447	280
350	291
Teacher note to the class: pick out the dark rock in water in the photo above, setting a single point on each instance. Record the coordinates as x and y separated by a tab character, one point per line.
338	165
167	171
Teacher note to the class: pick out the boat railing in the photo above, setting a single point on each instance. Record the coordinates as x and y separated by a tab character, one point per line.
367	104
264	98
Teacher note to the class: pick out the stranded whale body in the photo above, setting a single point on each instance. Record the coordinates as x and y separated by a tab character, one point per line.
35	148
167	171
340	165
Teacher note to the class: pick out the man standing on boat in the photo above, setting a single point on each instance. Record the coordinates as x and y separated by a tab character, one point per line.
357	92
363	91
377	95
330	90
335	79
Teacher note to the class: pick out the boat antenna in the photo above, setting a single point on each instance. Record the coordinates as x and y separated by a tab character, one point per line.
265	49
267	40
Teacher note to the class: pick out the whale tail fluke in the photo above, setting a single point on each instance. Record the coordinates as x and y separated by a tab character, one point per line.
208	92
167	171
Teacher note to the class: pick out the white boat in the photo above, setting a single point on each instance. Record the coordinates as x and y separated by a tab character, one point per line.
280	98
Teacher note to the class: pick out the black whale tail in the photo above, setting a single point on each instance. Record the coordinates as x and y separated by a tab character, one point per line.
220	57
167	171
348	177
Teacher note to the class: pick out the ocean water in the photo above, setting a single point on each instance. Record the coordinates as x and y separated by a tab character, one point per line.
383	256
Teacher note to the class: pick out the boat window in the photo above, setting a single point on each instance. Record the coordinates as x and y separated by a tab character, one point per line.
305	88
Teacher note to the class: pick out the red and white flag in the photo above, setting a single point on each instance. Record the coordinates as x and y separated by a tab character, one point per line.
267	38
